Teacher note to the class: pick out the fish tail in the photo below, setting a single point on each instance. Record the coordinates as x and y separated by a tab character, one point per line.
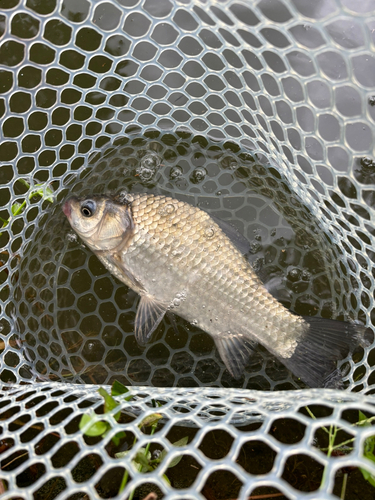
324	342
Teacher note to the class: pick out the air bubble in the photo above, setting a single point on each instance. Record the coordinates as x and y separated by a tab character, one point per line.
72	237
198	175
176	302
194	322
149	165
209	232
306	276
229	162
294	274
124	197
166	210
178	251
175	173
151	161
145	174
255	247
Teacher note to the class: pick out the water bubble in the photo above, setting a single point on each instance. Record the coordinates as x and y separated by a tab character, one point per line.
229	162
273	232
124	197
209	232
151	161
258	237
148	167
178	251
175	173
198	175
90	347
145	174
194	322
167	209
306	276
181	296
176	302
255	247
72	237
294	274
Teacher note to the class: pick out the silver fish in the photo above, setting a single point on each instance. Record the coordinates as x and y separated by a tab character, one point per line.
178	259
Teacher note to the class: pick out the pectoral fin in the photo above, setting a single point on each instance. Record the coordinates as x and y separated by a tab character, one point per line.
150	312
234	350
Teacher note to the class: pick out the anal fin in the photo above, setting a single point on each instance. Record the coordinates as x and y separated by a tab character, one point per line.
235	351
150	313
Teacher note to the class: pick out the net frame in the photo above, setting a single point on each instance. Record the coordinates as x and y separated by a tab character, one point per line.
336	141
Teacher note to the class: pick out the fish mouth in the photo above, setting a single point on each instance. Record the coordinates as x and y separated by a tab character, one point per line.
67	209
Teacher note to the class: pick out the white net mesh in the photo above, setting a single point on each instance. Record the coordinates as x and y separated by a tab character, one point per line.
262	113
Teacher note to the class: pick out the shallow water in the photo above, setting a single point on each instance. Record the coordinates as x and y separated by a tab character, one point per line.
76	320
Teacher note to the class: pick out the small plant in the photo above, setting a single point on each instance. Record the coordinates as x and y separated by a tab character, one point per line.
143	460
344	448
42	190
369	448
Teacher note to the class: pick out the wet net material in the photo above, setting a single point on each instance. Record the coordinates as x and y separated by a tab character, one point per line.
261	113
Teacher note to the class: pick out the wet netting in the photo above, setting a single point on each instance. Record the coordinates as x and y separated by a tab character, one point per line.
259	112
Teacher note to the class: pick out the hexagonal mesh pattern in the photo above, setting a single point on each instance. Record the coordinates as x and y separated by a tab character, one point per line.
261	113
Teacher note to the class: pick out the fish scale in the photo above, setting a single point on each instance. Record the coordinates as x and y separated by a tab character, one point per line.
180	260
229	286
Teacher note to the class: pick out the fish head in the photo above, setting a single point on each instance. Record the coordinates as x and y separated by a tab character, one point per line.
100	222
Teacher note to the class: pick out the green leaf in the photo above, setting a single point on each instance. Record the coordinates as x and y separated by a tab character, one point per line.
109	402
141	459
368	476
181	442
150	420
362	417
166	479
122	454
118	389
368	449
117	438
96	429
175	461
15	208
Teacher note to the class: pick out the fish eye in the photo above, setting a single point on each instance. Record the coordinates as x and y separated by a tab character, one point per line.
88	208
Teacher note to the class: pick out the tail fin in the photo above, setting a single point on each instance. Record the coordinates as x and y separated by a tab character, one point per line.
325	342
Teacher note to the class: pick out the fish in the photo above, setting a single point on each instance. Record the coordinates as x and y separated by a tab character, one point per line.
180	260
